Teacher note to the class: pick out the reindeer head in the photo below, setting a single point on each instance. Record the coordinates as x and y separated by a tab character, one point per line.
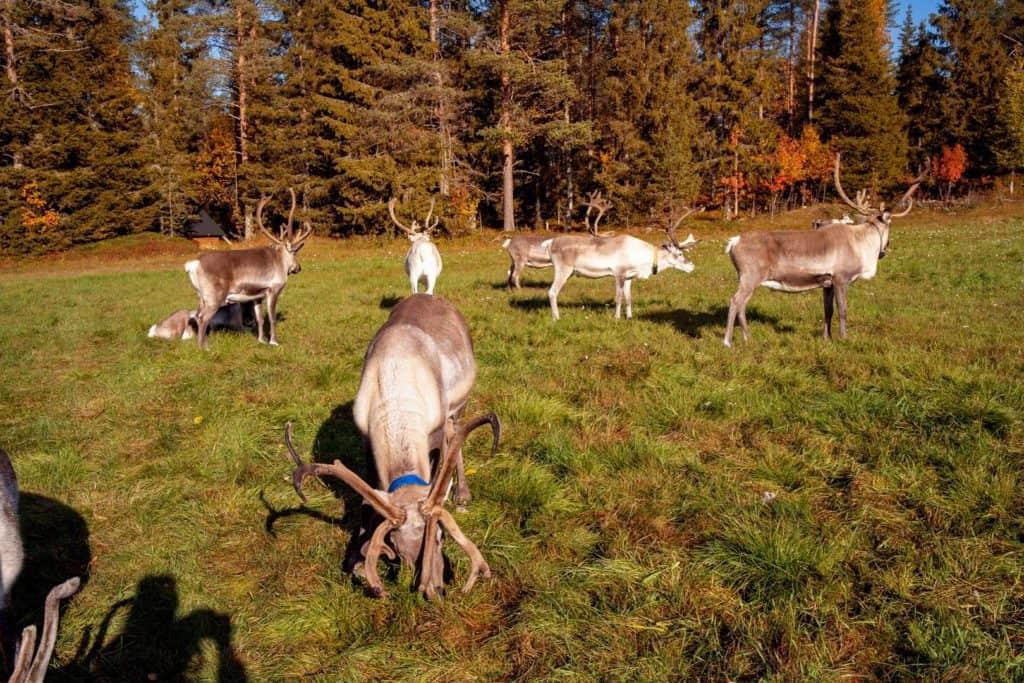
878	218
412	514
672	254
286	241
416	233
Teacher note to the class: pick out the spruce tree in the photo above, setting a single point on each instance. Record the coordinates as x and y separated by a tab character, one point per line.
976	59
920	77
859	114
647	119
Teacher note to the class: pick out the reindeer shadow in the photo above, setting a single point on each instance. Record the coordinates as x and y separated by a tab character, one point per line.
155	643
692	323
579	303
338	438
56	541
525	284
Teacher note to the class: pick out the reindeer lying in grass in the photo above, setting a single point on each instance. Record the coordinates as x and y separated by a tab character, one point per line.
183	324
417	375
26	667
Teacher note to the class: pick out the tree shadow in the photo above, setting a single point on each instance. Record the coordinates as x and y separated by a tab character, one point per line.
691	323
56	542
155	643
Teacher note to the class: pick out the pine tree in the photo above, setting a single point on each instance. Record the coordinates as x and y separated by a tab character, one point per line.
920	76
976	59
83	156
1011	116
858	113
647	119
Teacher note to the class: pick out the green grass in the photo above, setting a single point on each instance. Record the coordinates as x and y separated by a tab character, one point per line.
623	514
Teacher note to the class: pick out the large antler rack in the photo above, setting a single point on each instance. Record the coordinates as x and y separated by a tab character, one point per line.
287	235
595	202
862	207
429	223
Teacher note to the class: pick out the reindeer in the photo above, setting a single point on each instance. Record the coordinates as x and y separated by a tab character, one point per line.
623	257
525	251
423	260
417	375
12	556
819	223
831	257
182	323
242	275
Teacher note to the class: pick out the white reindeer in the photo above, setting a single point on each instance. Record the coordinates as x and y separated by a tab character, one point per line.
423	260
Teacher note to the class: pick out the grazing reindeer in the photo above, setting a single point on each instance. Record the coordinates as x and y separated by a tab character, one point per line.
29	669
182	323
423	260
623	257
831	257
595	202
241	275
417	375
525	251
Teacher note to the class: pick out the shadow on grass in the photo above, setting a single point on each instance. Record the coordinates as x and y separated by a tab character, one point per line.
338	439
155	643
691	323
525	284
56	542
563	304
388	302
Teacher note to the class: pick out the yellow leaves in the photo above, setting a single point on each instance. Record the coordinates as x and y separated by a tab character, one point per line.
36	215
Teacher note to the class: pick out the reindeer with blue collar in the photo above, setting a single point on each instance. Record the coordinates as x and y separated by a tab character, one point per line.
417	375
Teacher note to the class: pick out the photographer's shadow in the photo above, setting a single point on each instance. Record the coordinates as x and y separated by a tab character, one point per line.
155	643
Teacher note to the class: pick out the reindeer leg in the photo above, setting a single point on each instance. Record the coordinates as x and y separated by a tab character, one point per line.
206	313
618	297
627	292
828	295
561	276
257	312
840	286
272	315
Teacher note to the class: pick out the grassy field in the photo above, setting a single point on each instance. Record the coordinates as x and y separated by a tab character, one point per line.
624	516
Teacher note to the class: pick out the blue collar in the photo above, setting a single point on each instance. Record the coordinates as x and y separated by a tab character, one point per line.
406	480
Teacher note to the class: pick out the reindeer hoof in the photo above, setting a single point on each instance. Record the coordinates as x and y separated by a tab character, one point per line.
273	342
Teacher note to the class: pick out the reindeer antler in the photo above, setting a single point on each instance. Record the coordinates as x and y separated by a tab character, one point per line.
51	617
859	206
672	225
908	197
391	211
595	202
432	508
264	200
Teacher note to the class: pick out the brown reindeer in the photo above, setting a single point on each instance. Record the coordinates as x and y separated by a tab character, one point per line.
242	275
831	257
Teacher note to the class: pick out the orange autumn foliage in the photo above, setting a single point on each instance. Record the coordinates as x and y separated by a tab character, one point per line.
36	215
949	166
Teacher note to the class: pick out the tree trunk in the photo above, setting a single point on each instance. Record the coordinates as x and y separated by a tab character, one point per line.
507	152
10	66
441	106
812	48
241	86
791	71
